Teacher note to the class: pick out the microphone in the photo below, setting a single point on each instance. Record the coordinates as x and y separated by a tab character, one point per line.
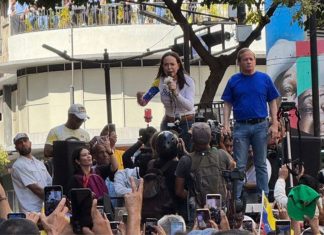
167	81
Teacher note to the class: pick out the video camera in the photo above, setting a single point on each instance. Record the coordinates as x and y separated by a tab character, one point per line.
286	105
216	132
233	175
146	134
175	126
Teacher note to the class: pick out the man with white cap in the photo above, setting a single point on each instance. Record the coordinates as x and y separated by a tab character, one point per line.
29	176
70	130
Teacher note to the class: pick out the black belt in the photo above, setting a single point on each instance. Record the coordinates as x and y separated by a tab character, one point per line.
252	121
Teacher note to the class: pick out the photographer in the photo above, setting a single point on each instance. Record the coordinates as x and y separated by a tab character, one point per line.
202	161
140	150
226	143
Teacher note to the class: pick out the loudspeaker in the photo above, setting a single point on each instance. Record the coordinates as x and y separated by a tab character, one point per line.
63	163
308	150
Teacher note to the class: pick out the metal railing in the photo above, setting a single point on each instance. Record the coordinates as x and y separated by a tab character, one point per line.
213	110
108	14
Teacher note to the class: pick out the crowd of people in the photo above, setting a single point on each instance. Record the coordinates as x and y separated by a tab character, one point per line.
178	180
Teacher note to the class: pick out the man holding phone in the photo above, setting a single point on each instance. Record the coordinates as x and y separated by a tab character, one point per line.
29	176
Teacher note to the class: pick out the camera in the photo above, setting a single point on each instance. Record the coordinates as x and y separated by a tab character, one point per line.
145	134
233	175
286	105
216	132
175	126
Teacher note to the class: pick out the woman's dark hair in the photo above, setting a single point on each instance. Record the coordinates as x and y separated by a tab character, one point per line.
18	226
181	72
76	156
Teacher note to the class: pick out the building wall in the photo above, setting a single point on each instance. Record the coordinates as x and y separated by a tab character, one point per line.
120	41
41	100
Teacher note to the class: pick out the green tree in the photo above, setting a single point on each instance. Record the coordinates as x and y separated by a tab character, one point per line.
3	160
218	65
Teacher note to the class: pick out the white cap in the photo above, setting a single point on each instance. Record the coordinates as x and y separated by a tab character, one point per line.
20	136
79	111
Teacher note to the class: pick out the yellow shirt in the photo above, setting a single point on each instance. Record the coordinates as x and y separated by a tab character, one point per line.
119	157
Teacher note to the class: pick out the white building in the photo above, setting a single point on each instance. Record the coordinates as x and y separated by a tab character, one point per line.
35	87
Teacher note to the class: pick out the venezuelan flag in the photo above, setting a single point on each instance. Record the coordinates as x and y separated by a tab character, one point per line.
268	220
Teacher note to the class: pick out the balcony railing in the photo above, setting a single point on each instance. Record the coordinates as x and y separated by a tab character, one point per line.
109	14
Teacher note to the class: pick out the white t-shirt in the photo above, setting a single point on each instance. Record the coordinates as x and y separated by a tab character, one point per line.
26	171
63	133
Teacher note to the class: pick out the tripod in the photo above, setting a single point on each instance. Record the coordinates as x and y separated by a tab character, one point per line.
285	116
283	113
232	204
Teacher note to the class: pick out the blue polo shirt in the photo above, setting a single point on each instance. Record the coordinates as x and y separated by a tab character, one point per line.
21	8
249	95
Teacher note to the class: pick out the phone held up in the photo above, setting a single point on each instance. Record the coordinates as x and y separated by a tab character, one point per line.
53	196
214	204
203	217
283	227
18	215
149	225
248	225
81	201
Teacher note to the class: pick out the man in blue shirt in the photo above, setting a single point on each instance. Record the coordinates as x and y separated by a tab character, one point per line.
248	93
21	8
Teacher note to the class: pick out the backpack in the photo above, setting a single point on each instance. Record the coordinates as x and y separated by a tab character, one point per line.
157	199
206	175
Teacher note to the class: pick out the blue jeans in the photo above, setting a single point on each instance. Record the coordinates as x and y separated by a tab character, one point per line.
255	135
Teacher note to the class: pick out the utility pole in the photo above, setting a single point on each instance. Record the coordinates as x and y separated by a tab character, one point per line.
107	86
72	68
186	48
314	68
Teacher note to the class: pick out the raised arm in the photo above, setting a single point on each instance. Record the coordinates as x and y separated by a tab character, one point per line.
227	114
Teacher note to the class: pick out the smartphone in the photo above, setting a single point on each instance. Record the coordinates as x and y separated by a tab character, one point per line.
125	216
81	200
275	213
203	217
176	227
149	223
283	227
109	216
248	225
53	196
19	215
114	225
101	210
214	201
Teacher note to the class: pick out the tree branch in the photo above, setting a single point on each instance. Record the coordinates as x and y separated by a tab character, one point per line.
255	33
184	24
